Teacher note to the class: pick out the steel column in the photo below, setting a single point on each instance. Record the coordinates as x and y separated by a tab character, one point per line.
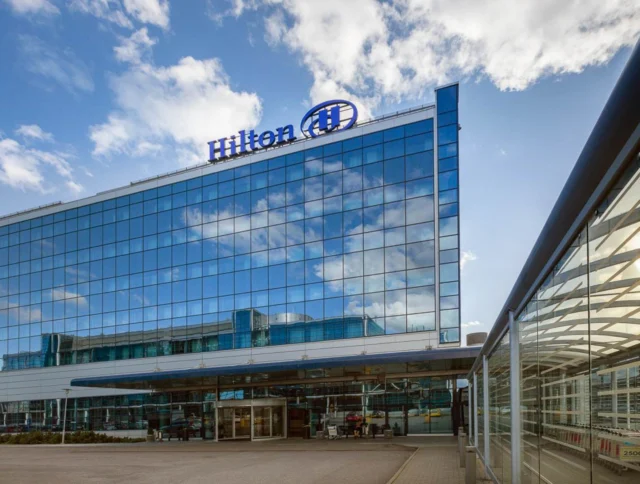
516	388
475	410
470	410
485	411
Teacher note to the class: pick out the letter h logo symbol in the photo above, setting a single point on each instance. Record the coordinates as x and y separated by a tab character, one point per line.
329	119
326	117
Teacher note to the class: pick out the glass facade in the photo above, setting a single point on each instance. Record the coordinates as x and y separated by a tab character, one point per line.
417	405
332	242
449	222
579	337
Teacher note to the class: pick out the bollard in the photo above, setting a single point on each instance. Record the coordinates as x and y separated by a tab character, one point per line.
470	474
461	446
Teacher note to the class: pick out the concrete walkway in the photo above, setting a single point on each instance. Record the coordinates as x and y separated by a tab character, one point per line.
404	460
433	463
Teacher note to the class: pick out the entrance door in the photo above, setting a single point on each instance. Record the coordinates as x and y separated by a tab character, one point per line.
226	416
255	419
242	422
430	402
262	422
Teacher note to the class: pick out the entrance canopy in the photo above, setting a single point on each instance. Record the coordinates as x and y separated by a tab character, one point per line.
443	361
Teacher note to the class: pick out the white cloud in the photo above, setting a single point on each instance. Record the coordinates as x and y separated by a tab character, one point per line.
30	169
109	10
121	13
470	324
219	9
467	256
29	7
74	186
177	108
52	65
86	171
155	12
132	49
33	131
275	27
400	49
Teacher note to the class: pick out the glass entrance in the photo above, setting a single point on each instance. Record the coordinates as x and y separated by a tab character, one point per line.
262	422
235	423
429	405
242	423
225	430
252	419
268	422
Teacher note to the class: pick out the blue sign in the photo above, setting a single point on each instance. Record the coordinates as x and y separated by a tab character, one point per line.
327	117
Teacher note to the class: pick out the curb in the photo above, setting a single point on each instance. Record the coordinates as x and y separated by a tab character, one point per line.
402	467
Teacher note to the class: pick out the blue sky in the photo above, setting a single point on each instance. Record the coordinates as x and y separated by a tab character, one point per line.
98	93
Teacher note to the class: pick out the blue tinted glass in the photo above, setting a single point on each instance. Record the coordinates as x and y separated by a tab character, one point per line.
280	236
372	139
225	176
333	149
448	134
260	166
393	133
447	99
311	154
448	164
275	163
352	144
448	118
447	151
242	171
208	179
419	127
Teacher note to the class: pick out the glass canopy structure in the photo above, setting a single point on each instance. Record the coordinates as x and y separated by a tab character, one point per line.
556	389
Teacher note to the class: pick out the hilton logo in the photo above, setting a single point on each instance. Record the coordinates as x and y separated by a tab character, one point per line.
329	116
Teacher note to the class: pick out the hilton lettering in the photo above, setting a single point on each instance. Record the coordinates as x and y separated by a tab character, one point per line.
245	142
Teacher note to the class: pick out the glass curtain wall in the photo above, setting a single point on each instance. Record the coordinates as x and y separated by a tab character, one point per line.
329	243
448	210
579	357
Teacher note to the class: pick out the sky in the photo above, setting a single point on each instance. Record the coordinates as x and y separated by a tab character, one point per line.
99	93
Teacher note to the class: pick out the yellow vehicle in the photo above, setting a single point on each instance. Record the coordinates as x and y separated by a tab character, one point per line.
434	412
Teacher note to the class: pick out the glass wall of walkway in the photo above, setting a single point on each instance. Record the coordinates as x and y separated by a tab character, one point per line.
556	389
579	361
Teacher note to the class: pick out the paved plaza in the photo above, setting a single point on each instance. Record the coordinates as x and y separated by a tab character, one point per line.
282	462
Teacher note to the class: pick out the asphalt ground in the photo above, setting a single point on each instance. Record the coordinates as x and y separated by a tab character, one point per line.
281	462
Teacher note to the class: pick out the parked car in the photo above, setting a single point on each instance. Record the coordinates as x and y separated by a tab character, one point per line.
178	426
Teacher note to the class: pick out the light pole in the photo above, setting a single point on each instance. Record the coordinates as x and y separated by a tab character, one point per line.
64	417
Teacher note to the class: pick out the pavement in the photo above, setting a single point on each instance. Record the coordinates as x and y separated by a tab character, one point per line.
408	460
436	461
